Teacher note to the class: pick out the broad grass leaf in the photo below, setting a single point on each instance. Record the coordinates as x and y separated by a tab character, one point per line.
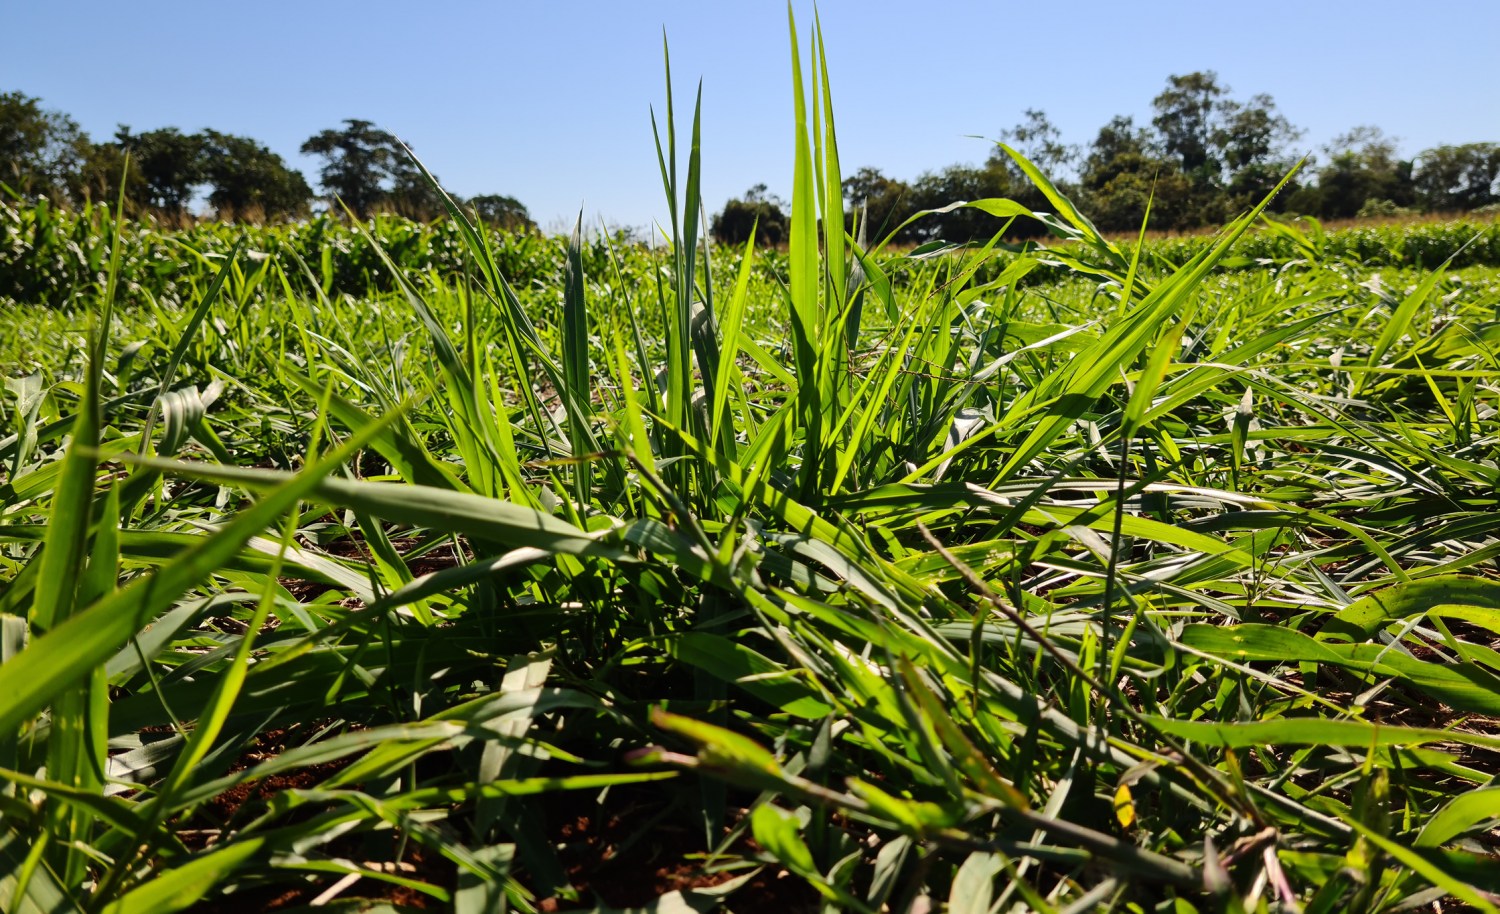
485	519
42	893
1253	641
723	750
398	443
749	670
1360	620
1463	685
66	654
918	816
182	886
779	832
1459	815
1430	869
1313	731
974	884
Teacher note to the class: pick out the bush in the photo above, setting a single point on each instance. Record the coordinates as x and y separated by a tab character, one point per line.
1378	208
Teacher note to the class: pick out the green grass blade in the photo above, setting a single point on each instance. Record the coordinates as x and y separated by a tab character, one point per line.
64	656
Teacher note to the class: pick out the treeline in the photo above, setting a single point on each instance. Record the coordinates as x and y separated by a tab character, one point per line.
1204	157
45	154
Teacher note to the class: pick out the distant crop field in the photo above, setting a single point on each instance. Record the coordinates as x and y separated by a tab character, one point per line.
398	567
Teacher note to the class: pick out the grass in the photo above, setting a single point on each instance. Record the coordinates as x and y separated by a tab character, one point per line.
1163	587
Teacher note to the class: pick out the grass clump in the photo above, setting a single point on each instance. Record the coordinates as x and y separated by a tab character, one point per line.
1158	589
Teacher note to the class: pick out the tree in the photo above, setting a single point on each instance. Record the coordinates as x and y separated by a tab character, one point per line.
1452	178
1041	144
1122	174
1036	138
41	151
169	162
758	211
411	194
502	212
954	184
249	179
1186	118
1233	153
360	163
1362	168
98	179
1117	142
1136	179
1253	138
882	204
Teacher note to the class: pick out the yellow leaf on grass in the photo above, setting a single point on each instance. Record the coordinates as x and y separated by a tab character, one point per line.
1124	807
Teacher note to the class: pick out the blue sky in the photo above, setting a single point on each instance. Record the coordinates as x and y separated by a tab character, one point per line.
549	102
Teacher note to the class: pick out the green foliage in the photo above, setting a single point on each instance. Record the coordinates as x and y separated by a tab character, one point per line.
369	170
1188	114
1458	178
881	204
250	180
759	212
51	256
501	212
171	165
1362	166
360	163
1121	175
41	151
934	190
1382	208
46	156
352	563
56	257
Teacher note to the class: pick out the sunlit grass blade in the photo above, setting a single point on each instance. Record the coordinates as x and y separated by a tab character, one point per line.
63	656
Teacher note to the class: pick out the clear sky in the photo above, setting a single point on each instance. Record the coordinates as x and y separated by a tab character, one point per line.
549	102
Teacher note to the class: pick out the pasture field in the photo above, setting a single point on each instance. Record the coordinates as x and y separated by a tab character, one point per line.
545	576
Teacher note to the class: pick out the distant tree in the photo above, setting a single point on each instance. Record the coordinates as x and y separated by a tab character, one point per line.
1233	153
1452	178
954	184
98	179
758	211
1036	138
359	163
1119	203
1122	173
1187	119
1118	142
369	170
1362	167
41	151
411	194
883	204
1253	138
1040	142
502	212
169	162
248	178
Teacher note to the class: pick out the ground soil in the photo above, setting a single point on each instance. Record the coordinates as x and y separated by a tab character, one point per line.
626	852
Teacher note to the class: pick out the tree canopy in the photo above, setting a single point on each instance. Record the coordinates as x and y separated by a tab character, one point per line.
1204	155
42	153
758	211
359	163
250	180
45	153
171	163
501	211
1452	178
